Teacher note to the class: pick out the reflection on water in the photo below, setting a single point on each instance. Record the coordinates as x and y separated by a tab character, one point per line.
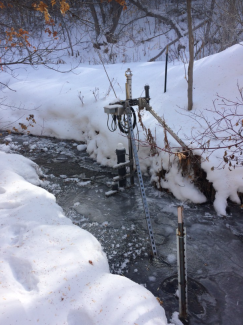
214	244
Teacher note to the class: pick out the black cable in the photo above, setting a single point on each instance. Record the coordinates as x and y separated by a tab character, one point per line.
137	137
113	123
122	125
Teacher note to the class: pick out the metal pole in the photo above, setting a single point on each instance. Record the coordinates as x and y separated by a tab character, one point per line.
166	62
128	75
128	86
146	89
181	263
141	185
121	158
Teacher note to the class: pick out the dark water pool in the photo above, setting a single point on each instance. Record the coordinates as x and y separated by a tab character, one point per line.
214	244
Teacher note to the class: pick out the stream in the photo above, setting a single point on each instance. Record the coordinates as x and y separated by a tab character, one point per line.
214	244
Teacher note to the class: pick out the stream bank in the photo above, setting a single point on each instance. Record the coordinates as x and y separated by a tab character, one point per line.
214	244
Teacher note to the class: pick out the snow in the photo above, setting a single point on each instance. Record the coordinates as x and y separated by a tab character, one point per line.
175	319
53	272
84	183
53	99
171	258
109	193
81	147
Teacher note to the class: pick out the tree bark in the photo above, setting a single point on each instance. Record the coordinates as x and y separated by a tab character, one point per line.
102	13
115	12
191	56
95	18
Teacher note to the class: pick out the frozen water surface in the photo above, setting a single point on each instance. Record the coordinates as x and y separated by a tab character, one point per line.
214	244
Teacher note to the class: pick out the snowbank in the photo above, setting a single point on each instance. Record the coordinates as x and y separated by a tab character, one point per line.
53	272
53	98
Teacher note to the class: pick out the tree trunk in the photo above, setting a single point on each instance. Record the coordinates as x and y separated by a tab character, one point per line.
95	18
191	56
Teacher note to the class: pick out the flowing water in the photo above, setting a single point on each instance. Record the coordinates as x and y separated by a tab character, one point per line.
214	244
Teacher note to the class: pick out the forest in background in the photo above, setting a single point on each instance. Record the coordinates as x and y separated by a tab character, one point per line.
137	30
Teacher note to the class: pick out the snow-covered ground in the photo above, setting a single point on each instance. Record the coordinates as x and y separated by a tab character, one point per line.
53	272
53	98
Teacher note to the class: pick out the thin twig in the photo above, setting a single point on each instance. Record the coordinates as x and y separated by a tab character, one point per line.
106	73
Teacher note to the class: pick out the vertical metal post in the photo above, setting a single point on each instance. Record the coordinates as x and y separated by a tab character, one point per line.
128	75
166	63
146	89
181	264
141	185
128	85
121	158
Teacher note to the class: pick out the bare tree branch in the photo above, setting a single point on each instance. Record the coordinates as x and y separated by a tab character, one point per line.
165	19
176	40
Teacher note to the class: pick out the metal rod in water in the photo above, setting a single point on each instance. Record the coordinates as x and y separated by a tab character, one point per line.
181	263
121	159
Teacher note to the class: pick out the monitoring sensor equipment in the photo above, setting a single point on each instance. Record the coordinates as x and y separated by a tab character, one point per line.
123	115
114	109
120	108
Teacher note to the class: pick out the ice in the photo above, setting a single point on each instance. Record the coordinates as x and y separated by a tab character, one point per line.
84	183
81	147
8	138
32	147
208	215
171	258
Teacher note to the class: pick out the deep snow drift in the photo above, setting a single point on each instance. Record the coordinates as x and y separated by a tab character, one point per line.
53	272
53	98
